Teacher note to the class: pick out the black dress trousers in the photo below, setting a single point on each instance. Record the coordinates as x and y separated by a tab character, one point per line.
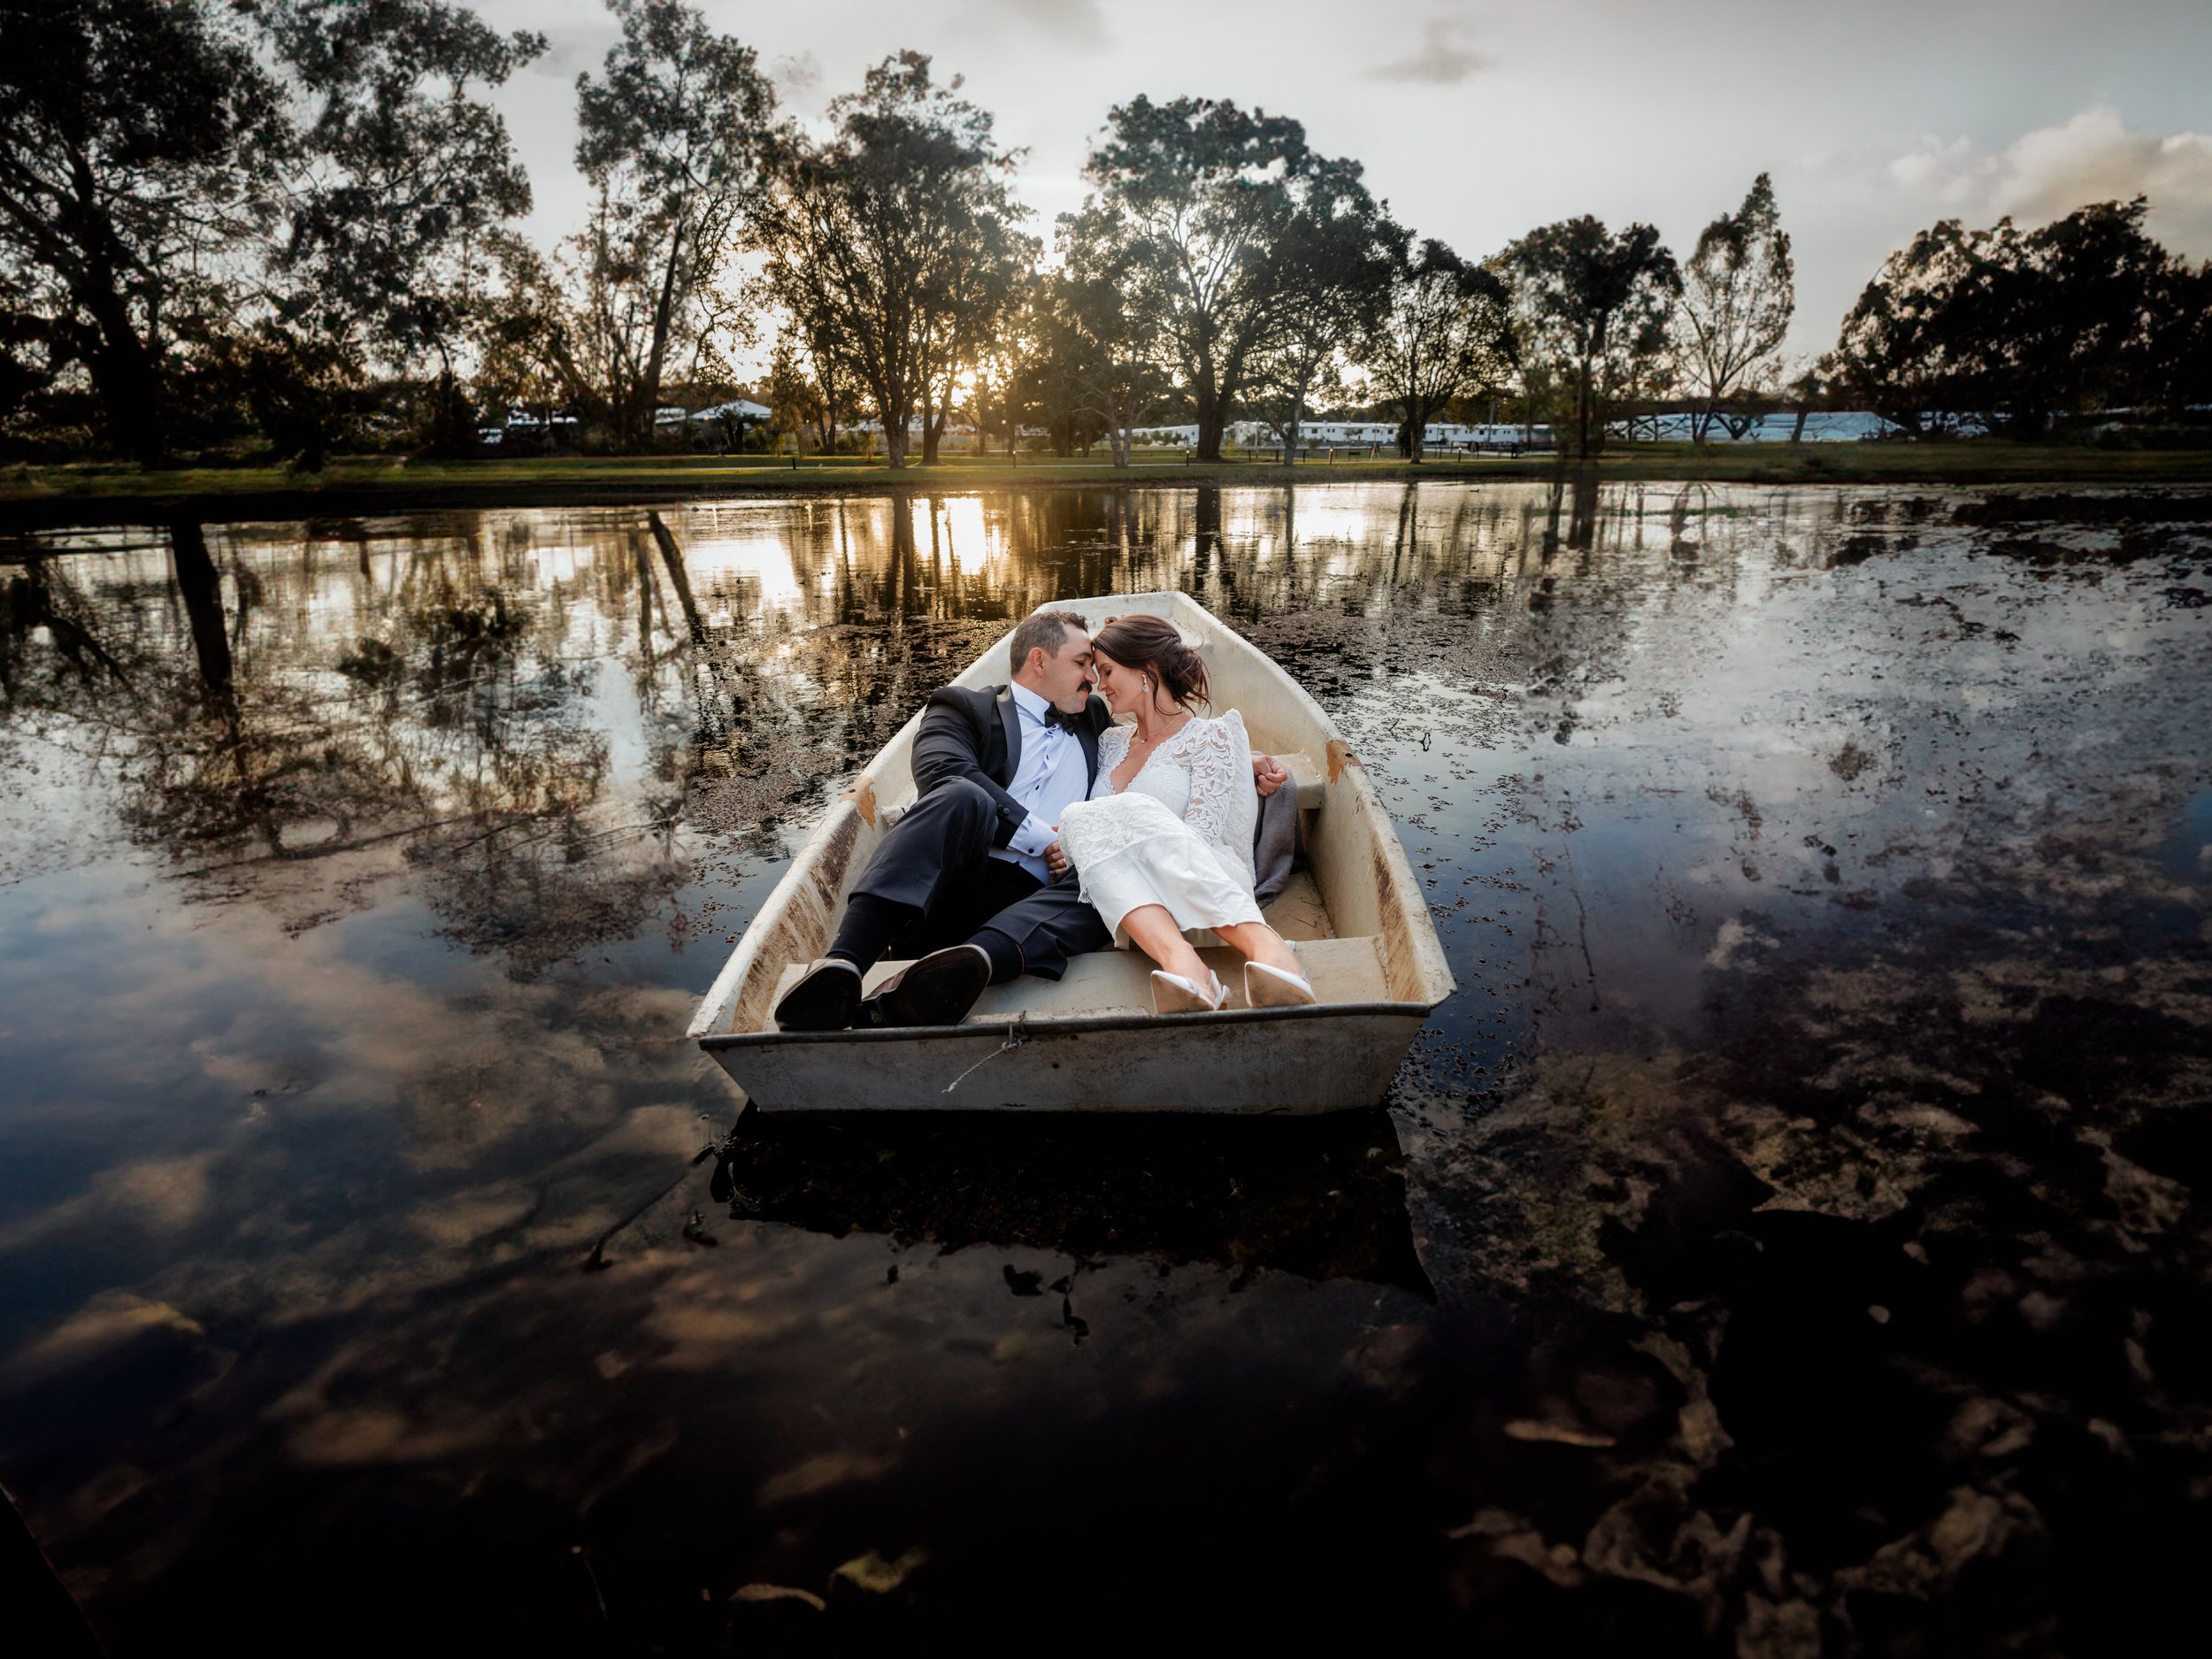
937	860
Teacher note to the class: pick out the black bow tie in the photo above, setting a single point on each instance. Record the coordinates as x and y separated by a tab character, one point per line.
1061	718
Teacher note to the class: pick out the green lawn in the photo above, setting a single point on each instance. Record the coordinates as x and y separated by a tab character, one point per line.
84	493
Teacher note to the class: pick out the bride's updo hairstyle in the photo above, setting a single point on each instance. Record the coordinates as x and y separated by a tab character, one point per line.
1153	646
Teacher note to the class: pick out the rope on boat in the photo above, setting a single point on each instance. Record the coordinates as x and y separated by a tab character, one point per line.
1015	1035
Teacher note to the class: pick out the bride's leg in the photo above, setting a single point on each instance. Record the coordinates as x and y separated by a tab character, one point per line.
1259	942
1153	930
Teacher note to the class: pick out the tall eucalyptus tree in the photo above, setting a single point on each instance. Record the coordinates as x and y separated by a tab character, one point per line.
677	138
1107	353
198	199
134	143
1207	200
1738	292
1335	265
405	179
977	297
2018	327
870	236
1593	311
1444	332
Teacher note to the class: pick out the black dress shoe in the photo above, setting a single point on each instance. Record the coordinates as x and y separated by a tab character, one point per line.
825	998
939	989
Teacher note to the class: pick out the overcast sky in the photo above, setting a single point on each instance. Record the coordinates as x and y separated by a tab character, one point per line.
1476	119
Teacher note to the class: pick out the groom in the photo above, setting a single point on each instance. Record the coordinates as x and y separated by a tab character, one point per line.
971	881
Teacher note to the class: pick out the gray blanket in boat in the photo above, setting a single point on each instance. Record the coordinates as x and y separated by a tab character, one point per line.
1275	844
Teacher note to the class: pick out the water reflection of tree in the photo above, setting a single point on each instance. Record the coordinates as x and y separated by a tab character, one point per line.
910	593
453	723
443	691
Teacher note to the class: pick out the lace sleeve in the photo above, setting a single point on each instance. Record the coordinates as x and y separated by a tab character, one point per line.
1209	751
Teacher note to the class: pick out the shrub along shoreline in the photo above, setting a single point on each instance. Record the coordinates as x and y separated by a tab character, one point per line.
86	496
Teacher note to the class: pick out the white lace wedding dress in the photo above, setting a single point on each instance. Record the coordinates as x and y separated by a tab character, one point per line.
1180	834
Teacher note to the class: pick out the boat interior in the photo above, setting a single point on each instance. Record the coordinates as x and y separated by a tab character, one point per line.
1343	970
1349	908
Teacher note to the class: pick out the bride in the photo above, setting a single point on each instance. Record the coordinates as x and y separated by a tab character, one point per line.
1165	842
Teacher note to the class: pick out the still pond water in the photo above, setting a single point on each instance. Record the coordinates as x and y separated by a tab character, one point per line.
1793	1237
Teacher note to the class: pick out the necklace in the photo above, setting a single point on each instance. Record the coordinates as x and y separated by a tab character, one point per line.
1161	735
1142	746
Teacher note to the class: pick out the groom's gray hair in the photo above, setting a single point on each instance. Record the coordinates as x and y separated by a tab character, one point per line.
1047	630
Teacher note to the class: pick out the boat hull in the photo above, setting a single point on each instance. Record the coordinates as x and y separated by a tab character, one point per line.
1293	1061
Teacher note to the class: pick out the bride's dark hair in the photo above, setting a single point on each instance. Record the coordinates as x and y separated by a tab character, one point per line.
1155	647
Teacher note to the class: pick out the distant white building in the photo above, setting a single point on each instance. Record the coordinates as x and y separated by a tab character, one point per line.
738	409
1338	435
1821	426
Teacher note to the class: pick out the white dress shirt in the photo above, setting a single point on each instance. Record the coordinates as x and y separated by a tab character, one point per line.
1049	778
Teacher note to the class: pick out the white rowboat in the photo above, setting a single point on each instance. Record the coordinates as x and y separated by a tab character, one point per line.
1090	1042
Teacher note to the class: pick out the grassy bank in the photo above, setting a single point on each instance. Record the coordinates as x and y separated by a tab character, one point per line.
104	493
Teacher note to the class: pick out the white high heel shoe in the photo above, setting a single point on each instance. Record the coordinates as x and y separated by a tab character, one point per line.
1172	993
1271	988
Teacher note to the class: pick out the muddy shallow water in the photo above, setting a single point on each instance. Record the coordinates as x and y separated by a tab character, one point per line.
1790	1239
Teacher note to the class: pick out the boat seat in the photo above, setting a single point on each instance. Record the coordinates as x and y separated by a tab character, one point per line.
1104	981
1343	971
1306	773
1121	981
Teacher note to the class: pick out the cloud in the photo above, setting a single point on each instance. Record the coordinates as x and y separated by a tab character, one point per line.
163	1194
2046	173
1077	22
1945	170
112	1318
1444	58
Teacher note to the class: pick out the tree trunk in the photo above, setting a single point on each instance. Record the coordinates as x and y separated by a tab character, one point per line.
827	425
932	425
645	591
1582	526
645	398
673	557
1209	528
1209	425
1797	432
201	585
906	580
127	375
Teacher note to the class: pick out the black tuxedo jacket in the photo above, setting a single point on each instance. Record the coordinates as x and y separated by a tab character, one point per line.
978	735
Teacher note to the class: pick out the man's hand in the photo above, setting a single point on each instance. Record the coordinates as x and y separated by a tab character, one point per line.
1267	774
1056	861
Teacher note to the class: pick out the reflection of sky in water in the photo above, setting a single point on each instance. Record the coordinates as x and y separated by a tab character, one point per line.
339	1026
2188	852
